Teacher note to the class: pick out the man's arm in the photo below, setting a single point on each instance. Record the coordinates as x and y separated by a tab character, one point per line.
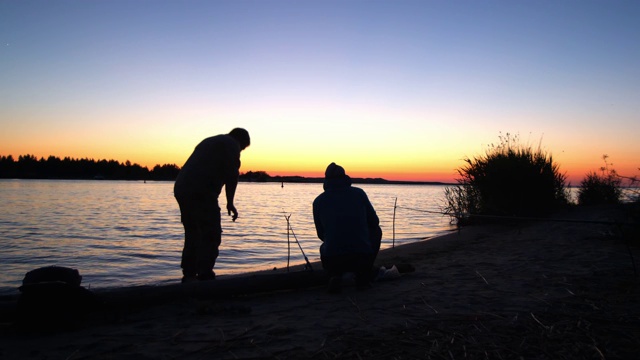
230	172
375	232
317	222
230	191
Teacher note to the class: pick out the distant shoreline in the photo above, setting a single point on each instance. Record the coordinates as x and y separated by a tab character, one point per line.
301	179
54	168
272	179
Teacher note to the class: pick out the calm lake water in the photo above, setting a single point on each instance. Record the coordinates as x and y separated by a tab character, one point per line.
120	233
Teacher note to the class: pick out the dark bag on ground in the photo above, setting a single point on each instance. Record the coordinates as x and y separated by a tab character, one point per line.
51	297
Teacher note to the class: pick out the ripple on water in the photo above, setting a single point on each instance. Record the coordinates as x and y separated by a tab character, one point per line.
124	233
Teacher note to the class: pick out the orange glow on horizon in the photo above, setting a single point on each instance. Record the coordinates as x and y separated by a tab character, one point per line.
574	175
441	171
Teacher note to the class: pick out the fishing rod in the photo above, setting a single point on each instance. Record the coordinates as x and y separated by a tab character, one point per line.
289	228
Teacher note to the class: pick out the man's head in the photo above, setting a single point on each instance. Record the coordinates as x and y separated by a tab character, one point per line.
335	177
334	171
241	136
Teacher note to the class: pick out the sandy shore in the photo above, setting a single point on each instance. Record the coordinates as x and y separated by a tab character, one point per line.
543	290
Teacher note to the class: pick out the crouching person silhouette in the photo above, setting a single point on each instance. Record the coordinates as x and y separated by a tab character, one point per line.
349	228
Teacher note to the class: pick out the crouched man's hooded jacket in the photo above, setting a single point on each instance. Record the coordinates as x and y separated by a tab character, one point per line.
345	220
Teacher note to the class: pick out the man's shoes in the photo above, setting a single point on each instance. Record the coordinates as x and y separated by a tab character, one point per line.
200	277
189	279
335	285
207	276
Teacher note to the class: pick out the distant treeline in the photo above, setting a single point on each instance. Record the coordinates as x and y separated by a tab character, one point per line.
30	167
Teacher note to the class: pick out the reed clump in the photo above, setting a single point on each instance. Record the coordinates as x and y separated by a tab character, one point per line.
510	179
603	188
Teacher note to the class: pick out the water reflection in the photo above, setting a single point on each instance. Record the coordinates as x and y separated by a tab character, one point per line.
124	233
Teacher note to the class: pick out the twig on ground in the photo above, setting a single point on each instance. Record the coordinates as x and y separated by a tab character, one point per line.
485	280
431	307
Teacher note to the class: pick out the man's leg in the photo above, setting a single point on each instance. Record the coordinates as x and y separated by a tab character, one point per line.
209	251
190	251
210	239
191	237
363	265
334	266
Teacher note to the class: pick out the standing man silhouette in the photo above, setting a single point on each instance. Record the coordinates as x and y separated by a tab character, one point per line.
214	163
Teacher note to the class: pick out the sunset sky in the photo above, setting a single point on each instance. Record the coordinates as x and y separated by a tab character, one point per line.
395	89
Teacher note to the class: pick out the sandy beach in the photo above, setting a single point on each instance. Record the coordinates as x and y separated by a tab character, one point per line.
565	289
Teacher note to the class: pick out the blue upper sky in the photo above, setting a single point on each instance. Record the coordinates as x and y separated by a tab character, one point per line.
416	85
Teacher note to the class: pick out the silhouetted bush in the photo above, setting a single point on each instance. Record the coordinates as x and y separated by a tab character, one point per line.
604	188
509	180
598	189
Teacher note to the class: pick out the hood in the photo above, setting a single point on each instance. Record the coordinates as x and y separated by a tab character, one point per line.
335	177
